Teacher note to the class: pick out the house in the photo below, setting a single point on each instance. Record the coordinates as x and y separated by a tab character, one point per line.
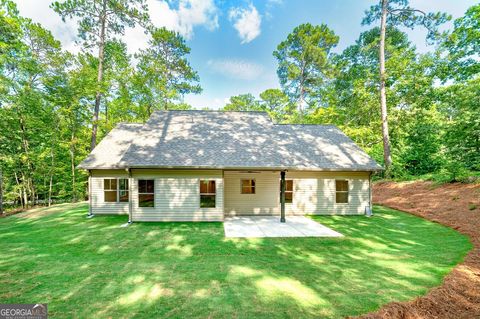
205	165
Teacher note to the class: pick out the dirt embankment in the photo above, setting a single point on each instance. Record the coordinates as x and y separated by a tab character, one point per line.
453	205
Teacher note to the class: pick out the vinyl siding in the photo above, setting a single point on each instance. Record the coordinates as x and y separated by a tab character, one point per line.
99	206
177	196
314	193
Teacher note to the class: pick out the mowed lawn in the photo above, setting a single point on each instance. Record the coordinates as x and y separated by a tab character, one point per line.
93	268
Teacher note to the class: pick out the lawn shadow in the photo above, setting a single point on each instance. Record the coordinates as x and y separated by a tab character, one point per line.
190	269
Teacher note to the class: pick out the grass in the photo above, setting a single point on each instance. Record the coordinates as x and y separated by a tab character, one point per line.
93	268
439	178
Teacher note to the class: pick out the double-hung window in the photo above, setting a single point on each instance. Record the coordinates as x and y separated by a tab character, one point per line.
207	193
341	192
248	186
115	190
146	193
288	191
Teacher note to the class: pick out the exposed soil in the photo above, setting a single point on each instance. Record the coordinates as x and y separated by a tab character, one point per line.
456	206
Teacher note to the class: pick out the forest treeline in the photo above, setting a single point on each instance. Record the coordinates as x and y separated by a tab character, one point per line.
55	106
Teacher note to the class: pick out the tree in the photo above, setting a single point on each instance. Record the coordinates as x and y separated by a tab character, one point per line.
463	45
461	106
243	102
277	104
99	21
397	13
304	61
163	74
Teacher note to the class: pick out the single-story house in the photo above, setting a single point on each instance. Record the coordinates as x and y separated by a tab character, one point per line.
206	165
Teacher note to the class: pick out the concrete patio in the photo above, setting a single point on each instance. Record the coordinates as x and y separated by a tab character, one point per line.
270	226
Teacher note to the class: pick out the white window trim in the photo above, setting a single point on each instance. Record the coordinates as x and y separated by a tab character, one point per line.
210	194
254	187
138	192
118	189
347	191
293	189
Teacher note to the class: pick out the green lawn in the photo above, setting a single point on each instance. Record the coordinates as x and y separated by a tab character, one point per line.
92	268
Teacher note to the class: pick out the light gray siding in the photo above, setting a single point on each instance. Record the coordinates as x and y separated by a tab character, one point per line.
177	196
314	193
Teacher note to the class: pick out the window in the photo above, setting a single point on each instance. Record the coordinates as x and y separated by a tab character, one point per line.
115	190
288	191
123	190
146	193
110	189
207	194
341	192
248	186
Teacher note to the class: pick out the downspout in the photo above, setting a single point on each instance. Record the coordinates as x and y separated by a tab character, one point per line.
369	211
130	179
282	196
90	213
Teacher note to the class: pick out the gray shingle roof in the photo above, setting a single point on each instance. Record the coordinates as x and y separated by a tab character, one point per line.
215	139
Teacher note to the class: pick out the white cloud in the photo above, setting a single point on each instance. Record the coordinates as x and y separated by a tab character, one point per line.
40	12
196	12
247	22
188	15
182	19
236	68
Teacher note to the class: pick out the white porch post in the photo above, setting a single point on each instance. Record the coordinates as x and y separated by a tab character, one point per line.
130	188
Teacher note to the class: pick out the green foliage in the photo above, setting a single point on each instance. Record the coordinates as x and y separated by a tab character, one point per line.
243	102
46	97
149	269
461	105
46	94
463	45
304	62
400	14
115	14
163	74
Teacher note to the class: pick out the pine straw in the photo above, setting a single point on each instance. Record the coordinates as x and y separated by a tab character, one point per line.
453	205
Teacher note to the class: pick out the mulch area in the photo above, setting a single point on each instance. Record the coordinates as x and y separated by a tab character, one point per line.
456	206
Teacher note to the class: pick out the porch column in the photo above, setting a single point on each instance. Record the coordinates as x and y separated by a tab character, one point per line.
282	196
130	182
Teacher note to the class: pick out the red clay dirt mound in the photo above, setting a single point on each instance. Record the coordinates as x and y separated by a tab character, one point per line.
456	206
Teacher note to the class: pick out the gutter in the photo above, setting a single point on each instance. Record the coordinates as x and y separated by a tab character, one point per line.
369	209
90	214
230	168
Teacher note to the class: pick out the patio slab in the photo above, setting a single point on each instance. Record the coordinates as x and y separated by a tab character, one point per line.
270	226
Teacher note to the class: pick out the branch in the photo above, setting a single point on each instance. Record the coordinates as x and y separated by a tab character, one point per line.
407	10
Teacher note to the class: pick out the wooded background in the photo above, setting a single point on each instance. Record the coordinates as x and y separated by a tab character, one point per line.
55	106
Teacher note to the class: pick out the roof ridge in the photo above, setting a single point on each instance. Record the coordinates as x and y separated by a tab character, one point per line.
304	124
206	111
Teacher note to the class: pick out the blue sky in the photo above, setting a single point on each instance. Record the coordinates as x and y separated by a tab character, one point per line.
232	41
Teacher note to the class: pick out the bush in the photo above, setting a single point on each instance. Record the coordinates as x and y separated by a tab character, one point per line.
453	171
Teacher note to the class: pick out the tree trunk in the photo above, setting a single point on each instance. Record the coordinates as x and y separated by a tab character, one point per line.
72	166
19	190
24	191
383	95
50	191
98	94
